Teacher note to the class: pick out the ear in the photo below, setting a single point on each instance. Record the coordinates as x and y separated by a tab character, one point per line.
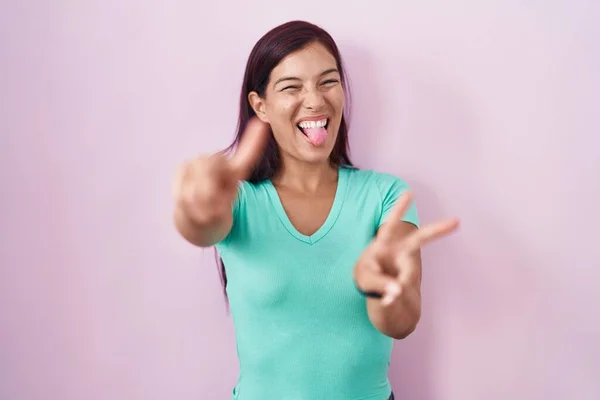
258	105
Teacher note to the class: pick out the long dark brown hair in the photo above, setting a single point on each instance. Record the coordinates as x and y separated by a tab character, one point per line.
266	54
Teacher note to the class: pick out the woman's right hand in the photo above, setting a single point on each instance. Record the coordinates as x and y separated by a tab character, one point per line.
205	188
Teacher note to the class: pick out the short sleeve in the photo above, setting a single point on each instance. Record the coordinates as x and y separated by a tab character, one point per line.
237	210
391	188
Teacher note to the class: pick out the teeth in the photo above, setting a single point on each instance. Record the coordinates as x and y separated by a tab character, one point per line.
313	124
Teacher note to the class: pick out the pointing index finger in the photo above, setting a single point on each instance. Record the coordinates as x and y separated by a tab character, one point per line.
429	233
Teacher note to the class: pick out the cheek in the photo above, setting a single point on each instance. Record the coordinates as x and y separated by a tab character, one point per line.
340	97
281	111
336	98
281	114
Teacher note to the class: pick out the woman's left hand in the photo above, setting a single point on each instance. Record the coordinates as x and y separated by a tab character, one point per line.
390	267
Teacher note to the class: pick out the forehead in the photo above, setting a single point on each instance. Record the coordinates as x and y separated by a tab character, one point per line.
306	63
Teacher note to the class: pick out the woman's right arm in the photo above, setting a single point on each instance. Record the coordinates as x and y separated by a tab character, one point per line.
203	199
206	188
206	235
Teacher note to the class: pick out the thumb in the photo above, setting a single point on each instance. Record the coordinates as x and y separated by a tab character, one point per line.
373	283
250	148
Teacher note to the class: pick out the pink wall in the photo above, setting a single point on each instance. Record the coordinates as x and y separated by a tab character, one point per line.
491	112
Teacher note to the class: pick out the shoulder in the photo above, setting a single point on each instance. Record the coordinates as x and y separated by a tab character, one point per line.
249	194
249	203
384	182
385	188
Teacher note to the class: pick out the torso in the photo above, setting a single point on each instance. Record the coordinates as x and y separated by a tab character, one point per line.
307	211
302	328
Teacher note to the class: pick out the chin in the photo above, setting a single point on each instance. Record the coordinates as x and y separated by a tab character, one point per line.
315	157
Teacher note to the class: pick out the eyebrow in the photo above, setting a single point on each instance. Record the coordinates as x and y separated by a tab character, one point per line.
293	78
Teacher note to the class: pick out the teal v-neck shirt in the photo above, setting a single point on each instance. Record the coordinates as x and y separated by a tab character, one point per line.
301	326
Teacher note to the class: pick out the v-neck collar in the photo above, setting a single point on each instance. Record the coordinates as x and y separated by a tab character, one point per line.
334	212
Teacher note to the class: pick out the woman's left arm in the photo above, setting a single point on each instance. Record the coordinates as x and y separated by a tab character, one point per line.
397	316
389	271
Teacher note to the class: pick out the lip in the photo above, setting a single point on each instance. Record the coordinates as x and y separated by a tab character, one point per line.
315	118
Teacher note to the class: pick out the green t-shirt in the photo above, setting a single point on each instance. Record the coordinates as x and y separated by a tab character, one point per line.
301	326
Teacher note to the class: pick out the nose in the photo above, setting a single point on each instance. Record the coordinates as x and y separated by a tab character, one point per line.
314	99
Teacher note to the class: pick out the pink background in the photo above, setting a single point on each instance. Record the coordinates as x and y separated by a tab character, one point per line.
491	112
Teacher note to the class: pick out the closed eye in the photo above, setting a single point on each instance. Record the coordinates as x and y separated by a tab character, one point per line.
328	82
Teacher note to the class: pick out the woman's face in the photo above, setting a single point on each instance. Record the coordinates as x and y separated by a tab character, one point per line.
303	103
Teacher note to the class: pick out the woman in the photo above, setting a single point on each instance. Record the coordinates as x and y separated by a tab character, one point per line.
322	259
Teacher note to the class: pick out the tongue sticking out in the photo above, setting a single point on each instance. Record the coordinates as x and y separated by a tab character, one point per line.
316	136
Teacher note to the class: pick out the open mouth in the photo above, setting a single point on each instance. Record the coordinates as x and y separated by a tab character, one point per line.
306	127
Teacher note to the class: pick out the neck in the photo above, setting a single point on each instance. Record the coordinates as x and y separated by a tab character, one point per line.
304	176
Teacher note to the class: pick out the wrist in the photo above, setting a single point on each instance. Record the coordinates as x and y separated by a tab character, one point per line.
398	319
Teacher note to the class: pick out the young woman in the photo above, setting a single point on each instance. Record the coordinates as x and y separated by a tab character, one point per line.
320	259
